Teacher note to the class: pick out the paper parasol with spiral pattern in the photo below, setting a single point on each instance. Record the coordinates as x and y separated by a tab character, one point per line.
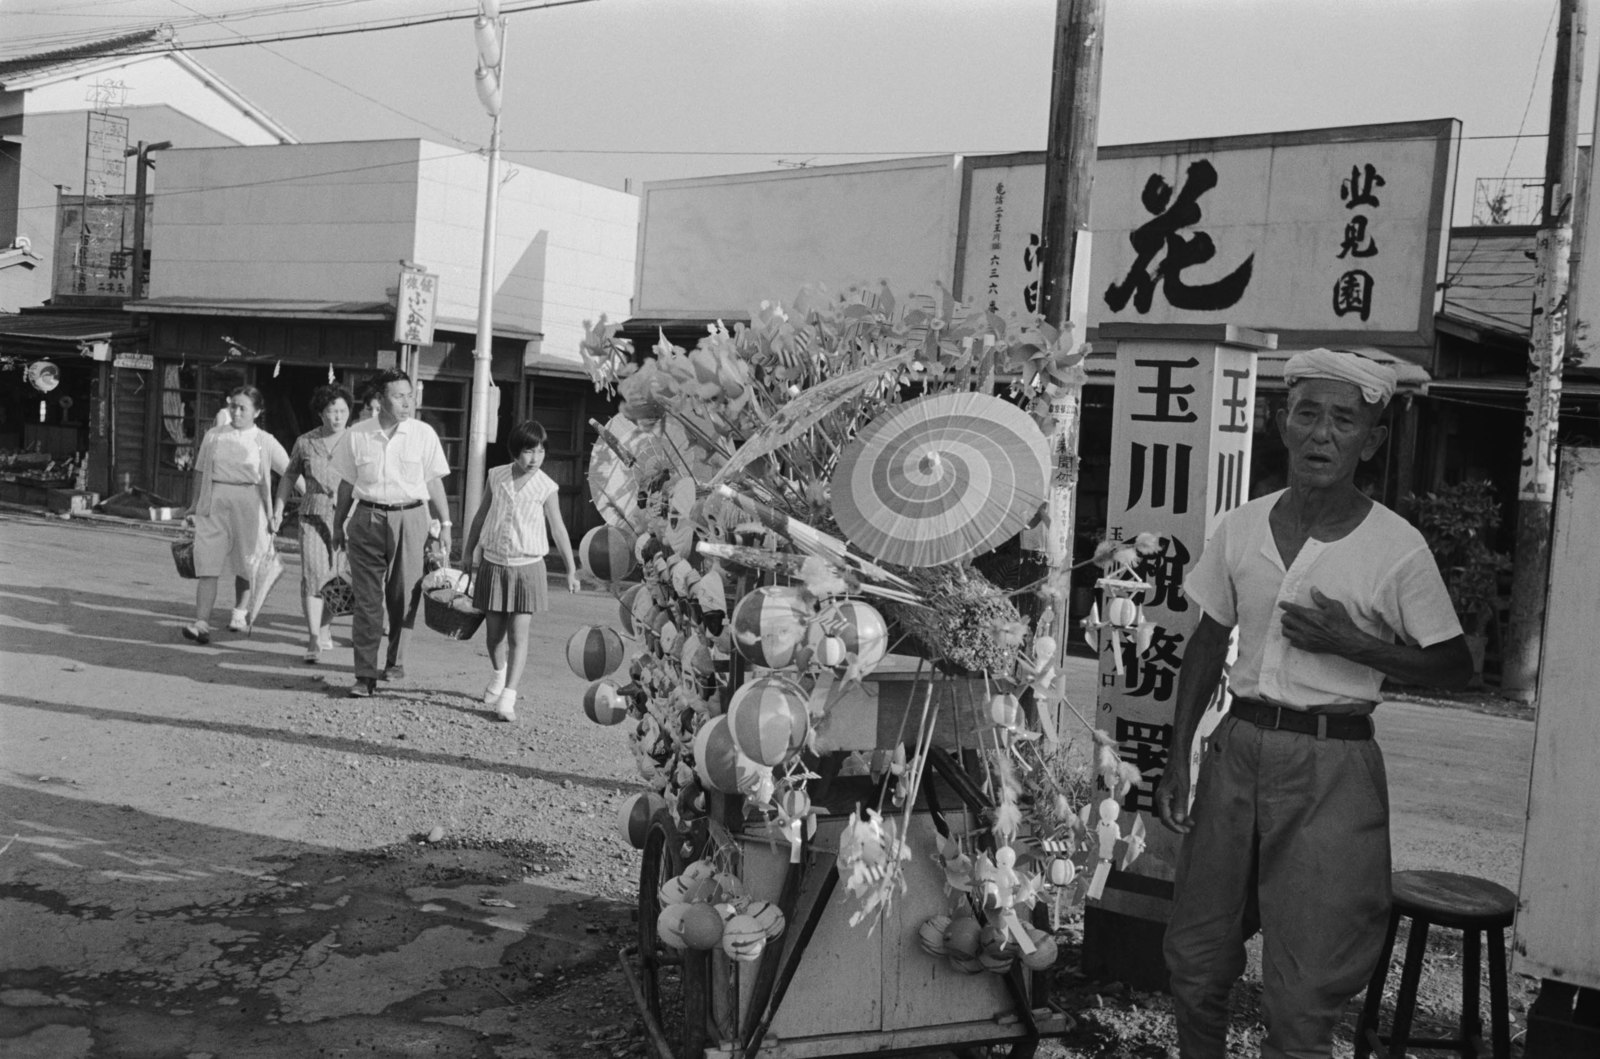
940	479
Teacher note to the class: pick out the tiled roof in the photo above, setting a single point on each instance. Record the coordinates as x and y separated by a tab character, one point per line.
44	62
1489	277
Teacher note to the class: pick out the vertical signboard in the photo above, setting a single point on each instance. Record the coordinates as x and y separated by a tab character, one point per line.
1181	436
98	266
414	312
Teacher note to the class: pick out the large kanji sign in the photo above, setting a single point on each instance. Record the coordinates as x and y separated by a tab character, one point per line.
1320	236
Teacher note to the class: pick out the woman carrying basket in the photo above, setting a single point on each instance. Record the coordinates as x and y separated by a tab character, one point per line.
231	511
513	528
308	463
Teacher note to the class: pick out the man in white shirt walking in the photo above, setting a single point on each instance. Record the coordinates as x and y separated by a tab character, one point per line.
1289	831
391	469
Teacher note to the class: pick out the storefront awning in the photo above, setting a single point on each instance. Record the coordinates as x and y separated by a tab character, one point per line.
1507	385
1412	378
66	328
285	308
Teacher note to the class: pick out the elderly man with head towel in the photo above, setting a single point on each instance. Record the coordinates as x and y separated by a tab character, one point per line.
1289	830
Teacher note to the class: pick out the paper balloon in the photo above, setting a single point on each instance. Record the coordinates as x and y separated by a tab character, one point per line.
607	553
594	651
633	818
603	704
768	719
769	624
718	762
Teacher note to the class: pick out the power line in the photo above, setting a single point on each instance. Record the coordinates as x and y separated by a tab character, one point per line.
340	84
346	29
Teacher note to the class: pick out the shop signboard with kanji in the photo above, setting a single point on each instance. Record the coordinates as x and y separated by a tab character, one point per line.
1181	444
413	318
1322	236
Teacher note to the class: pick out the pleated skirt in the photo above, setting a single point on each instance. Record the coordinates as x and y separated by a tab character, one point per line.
511	589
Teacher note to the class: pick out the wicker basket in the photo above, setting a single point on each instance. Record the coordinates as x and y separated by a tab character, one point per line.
183	557
338	597
444	610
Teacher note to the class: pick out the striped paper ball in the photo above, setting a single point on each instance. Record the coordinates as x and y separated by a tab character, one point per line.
862	629
768	917
931	934
594	651
996	963
625	609
769	624
768	719
961	938
743	939
633	818
669	926
966	964
1044	951
718	762
607	553
603	704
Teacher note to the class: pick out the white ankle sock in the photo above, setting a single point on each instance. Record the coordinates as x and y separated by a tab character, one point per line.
496	686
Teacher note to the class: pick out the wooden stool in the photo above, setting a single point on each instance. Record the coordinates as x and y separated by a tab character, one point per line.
1461	902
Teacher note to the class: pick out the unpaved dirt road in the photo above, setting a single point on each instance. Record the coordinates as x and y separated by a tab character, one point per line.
210	851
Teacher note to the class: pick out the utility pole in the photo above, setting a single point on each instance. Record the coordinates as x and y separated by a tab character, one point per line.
1547	347
141	156
489	29
1068	178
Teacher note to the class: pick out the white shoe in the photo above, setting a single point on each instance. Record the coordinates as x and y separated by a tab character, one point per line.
505	706
236	622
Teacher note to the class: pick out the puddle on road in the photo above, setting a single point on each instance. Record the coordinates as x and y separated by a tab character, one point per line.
395	952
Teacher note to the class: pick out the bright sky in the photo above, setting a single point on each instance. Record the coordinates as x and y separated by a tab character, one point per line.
651	89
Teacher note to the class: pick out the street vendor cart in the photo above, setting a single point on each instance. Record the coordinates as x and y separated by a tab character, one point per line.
858	830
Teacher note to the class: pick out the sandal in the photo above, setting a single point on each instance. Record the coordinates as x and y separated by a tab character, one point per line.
313	654
198	631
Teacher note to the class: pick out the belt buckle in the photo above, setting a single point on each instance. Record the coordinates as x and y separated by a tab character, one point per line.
1277	718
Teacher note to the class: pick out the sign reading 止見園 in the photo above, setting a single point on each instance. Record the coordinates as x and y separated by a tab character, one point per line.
1318	236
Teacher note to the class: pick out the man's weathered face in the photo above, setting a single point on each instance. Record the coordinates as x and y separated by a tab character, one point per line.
1328	430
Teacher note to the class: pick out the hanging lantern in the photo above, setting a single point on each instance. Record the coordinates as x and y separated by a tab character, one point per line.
769	624
607	553
633	818
603	704
768	719
594	651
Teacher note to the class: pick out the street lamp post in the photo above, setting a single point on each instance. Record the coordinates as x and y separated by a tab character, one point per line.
489	29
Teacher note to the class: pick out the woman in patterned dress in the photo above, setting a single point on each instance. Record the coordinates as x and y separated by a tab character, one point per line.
309	467
232	508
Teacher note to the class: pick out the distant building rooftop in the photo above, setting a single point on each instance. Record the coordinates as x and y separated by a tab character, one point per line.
1489	278
64	59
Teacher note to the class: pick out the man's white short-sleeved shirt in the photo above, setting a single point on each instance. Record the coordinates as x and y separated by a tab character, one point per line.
1382	571
389	470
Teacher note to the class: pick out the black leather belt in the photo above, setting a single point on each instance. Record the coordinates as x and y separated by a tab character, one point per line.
1322	725
390	507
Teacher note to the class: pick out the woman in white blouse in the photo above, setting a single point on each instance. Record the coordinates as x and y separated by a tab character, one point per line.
232	510
513	527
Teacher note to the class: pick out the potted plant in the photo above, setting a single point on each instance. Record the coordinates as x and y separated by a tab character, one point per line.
1457	522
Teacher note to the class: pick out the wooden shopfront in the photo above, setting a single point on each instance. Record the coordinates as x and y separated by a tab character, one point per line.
201	352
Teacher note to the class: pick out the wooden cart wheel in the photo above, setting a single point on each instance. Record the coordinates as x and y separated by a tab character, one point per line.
676	985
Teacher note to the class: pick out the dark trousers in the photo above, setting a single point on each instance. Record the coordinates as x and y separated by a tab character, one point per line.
1291	834
385	549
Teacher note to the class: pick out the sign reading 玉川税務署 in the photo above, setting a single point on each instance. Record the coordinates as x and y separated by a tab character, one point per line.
1182	424
1318	236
